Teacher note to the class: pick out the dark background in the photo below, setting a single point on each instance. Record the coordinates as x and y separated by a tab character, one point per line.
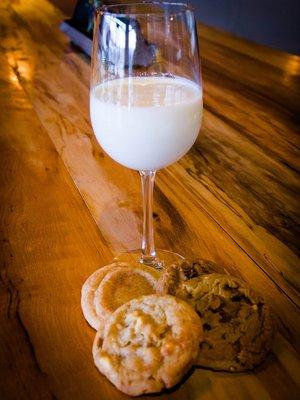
275	23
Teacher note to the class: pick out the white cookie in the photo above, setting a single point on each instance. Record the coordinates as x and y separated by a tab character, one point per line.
148	344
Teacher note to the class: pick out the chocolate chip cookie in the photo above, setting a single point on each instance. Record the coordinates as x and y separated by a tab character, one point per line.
237	324
174	275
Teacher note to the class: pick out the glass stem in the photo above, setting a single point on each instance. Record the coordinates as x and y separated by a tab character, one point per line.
148	248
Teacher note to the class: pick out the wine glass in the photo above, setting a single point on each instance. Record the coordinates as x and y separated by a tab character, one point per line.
146	96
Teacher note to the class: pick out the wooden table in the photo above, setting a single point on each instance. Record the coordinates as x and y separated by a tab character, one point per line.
66	207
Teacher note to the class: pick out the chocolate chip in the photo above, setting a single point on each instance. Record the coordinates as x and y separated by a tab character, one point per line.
206	327
225	317
240	298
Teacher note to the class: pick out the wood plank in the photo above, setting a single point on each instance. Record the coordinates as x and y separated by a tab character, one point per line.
288	63
49	245
276	85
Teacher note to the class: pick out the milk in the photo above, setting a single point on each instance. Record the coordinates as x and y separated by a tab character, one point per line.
146	123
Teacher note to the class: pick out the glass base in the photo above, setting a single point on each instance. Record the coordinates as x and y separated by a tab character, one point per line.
162	259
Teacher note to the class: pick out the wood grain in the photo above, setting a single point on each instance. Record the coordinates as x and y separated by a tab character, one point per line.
66	207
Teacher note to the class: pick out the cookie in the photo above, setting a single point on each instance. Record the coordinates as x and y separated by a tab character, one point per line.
174	275
88	293
148	344
237	324
122	285
89	290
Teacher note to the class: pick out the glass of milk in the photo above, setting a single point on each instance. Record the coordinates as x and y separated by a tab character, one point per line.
146	96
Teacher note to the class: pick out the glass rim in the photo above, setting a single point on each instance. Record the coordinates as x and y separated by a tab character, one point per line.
105	9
